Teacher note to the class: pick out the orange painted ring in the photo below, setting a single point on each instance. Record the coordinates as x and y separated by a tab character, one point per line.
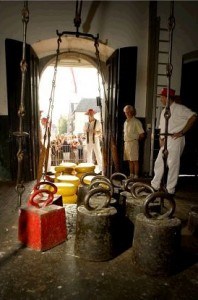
36	187
45	202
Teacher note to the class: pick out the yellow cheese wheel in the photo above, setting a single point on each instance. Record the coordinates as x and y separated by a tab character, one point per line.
69	168
64	188
88	179
59	169
68	165
85	168
69	178
70	199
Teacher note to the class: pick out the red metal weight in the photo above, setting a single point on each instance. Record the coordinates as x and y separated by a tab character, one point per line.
36	187
39	203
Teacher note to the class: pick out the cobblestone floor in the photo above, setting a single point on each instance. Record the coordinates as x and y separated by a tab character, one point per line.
59	274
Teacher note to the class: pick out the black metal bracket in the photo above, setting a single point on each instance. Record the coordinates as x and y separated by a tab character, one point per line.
78	34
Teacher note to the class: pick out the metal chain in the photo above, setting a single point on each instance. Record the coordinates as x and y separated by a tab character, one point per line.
77	19
47	133
20	135
169	69
99	68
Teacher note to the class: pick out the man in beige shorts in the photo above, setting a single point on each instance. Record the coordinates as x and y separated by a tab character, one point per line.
133	132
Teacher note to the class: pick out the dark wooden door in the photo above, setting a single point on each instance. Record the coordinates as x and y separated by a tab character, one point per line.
31	119
189	83
122	67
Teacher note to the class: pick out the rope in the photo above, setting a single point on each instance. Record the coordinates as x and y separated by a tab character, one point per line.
20	134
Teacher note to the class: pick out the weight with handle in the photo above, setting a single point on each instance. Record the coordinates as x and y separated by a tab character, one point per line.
156	242
83	187
96	227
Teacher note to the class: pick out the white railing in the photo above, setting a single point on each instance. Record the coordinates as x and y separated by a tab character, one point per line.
67	153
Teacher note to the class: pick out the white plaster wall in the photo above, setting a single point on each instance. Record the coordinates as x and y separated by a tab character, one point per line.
121	23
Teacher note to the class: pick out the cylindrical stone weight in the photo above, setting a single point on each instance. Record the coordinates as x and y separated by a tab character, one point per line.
193	220
156	245
96	233
82	191
135	206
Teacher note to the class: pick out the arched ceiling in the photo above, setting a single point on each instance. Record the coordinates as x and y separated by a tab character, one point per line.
72	44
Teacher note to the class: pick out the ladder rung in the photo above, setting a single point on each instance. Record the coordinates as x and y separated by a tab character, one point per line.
163	29
159	74
160	63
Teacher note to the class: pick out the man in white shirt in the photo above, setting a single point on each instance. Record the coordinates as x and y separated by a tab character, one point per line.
93	133
180	121
133	132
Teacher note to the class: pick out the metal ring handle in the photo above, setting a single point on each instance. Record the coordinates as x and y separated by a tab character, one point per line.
36	187
94	192
101	177
117	174
85	175
99	183
162	195
126	184
44	202
138	187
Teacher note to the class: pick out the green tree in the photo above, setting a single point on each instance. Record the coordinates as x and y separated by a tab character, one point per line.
62	125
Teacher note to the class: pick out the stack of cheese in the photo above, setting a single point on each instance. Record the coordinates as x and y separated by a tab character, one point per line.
83	168
70	185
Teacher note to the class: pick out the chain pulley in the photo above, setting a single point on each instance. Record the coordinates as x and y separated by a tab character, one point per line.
20	134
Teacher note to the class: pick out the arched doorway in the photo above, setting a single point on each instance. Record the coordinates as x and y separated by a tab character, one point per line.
77	87
77	57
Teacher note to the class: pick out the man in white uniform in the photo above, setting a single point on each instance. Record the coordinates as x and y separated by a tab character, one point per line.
133	132
93	132
180	121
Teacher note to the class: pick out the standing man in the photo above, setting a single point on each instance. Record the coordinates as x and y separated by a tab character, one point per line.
180	121
133	132
93	132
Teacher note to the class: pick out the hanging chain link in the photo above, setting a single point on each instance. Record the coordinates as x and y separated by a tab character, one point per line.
77	19
20	135
47	132
169	69
100	73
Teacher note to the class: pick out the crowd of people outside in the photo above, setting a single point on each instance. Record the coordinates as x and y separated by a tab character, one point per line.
68	147
83	147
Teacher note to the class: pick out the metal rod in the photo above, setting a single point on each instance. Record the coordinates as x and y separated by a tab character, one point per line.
77	34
